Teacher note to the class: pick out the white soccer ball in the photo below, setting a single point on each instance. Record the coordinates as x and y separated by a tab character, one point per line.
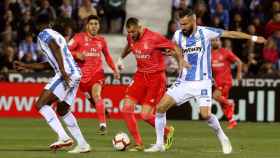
121	141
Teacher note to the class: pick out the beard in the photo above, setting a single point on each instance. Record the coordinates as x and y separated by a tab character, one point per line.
187	32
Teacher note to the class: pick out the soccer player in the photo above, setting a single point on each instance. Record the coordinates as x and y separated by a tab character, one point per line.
87	48
195	82
149	82
221	64
62	87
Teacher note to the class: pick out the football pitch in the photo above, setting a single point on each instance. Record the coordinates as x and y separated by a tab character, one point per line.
29	138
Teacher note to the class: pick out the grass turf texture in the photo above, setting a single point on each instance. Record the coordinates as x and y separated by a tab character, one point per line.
29	138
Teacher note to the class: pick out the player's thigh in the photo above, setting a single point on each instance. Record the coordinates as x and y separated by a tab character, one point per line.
70	94
128	105
180	92
226	90
136	90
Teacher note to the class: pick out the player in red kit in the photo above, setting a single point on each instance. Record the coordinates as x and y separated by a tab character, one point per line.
149	82
87	48
221	64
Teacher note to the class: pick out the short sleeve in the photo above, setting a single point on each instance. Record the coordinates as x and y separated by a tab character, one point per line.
73	43
231	56
175	38
45	36
211	33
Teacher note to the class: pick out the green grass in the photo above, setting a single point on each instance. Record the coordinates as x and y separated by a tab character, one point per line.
28	138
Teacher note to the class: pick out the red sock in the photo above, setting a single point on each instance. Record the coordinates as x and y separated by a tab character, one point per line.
151	121
100	111
130	120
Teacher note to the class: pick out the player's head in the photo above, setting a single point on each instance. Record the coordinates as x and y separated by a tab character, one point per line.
93	25
133	28
216	43
43	21
187	21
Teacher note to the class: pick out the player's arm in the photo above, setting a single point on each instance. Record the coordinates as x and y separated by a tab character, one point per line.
56	51
19	66
109	60
241	35
73	44
124	53
177	54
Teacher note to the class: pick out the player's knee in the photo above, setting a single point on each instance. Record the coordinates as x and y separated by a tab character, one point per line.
161	109
145	115
127	109
62	109
205	115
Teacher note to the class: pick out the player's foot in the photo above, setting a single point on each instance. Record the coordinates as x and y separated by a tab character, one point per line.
136	147
226	145
232	124
102	130
61	143
80	149
155	148
169	138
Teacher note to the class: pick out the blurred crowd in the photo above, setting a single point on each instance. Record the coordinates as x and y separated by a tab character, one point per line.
255	17
18	24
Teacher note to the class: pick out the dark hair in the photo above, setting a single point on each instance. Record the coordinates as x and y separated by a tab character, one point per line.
93	17
186	12
132	22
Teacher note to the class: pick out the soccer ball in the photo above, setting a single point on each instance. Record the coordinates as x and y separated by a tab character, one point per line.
121	141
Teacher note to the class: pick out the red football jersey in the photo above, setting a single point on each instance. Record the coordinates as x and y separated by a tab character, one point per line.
221	65
92	47
148	51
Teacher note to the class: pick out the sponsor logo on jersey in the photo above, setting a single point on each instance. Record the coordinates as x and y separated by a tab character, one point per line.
192	50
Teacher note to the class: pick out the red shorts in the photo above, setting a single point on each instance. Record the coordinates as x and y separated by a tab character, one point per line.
147	88
224	88
96	78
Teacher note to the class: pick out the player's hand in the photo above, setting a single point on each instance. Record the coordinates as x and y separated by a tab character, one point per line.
80	56
117	75
183	64
19	66
168	52
120	65
66	80
260	39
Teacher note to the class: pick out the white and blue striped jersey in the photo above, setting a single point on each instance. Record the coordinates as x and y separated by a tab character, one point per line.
197	51
43	40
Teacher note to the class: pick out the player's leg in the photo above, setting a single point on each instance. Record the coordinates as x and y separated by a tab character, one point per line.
165	103
43	106
99	106
229	108
130	120
63	110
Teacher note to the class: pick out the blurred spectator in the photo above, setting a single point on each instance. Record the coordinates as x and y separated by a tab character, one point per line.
171	29
115	9
26	24
66	9
68	33
267	70
202	14
270	53
86	9
178	5
213	3
259	26
47	9
216	22
238	6
222	14
237	22
8	58
227	44
27	6
27	49
273	24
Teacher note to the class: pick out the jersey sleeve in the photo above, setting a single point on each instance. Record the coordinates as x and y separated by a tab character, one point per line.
176	37
73	45
45	36
211	32
231	56
164	43
107	55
